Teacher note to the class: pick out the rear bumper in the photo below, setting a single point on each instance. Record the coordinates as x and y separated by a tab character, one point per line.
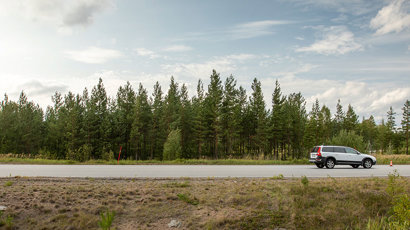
317	160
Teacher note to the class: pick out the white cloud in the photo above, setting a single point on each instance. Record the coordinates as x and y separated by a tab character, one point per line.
236	32
178	48
147	53
60	13
392	18
254	29
93	55
335	40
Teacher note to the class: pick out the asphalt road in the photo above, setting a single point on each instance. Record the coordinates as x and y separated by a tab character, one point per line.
176	171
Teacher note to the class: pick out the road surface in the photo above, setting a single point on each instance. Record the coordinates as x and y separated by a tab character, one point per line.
176	171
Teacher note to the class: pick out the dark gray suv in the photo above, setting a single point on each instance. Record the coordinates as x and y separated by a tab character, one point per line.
329	156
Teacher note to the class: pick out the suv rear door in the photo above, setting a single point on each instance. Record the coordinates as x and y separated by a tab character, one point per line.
340	154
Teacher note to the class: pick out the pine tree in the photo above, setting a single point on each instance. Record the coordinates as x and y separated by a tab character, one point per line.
186	123
405	123
351	120
297	114
124	116
277	117
142	126
213	103
257	106
172	106
368	130
199	119
97	120
158	127
312	131
339	118
229	122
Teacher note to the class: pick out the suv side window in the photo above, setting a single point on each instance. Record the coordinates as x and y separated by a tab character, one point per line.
327	149
351	151
339	149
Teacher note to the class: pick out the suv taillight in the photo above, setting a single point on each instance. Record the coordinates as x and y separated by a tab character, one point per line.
318	152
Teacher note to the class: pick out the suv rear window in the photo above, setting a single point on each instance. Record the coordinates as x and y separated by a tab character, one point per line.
339	149
327	149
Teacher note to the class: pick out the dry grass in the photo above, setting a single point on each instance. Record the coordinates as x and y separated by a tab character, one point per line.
345	203
397	159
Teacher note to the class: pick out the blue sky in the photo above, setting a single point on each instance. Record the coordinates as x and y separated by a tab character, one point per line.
355	50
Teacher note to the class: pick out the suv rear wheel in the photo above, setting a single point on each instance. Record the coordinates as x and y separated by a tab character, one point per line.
320	165
330	163
367	163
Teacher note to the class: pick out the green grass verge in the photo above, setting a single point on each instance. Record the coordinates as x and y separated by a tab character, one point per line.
9	160
381	159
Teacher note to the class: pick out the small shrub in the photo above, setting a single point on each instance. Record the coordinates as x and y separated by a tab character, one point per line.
9	222
106	220
172	146
8	183
278	177
304	181
187	199
108	155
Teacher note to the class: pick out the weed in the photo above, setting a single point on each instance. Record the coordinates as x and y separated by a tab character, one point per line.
187	199
177	185
304	181
278	177
8	183
106	220
8	221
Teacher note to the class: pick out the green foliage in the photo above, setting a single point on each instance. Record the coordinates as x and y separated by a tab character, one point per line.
172	147
304	181
106	220
278	177
187	199
82	154
7	221
108	155
220	121
350	139
8	183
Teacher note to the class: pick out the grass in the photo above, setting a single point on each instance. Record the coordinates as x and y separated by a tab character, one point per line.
8	183
239	203
186	198
10	159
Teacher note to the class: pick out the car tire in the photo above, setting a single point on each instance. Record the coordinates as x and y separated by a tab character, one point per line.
320	165
367	163
355	166
330	163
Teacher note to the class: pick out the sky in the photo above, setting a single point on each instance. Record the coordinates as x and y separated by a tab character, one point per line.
354	50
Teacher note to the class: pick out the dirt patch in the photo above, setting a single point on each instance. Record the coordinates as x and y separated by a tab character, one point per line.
72	203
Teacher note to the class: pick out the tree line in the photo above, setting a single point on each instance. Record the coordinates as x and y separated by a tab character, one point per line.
219	122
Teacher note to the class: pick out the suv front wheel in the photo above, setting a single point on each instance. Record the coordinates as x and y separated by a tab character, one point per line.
330	163
367	163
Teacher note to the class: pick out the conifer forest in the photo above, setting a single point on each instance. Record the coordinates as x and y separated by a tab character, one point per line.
221	121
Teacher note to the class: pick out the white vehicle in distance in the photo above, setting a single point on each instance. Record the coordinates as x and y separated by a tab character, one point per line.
329	156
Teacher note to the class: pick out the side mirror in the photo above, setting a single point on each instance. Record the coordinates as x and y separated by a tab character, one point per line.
358	153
